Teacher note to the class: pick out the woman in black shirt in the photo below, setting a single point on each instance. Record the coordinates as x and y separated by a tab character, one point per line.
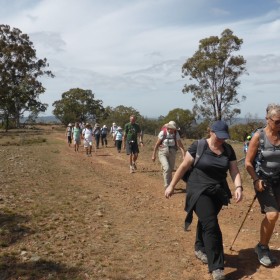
207	192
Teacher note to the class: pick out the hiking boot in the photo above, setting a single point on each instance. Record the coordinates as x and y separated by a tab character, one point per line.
218	274
201	256
264	255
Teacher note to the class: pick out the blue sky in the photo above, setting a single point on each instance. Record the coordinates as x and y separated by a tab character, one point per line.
130	52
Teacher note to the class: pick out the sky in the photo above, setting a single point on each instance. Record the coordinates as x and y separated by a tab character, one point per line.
131	52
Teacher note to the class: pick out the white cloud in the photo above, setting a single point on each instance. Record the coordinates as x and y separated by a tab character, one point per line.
131	52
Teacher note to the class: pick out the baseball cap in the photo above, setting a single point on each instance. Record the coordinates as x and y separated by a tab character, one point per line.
221	129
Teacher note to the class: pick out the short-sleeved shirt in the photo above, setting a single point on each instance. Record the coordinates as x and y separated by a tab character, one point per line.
131	130
76	132
87	134
212	166
210	170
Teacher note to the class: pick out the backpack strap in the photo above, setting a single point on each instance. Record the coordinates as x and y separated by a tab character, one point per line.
164	129
201	144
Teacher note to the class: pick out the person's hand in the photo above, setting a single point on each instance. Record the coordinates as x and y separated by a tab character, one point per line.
168	192
238	194
259	185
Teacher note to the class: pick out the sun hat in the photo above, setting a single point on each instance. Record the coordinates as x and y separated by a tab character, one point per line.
170	126
221	129
87	124
119	128
173	123
70	124
104	126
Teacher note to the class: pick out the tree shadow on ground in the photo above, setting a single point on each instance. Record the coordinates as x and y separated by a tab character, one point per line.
12	268
245	263
12	228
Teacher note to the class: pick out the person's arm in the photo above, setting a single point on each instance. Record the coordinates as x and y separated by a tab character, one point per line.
184	166
181	147
236	178
124	138
158	143
249	162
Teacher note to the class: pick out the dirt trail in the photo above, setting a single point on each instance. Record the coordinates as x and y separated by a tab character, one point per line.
88	218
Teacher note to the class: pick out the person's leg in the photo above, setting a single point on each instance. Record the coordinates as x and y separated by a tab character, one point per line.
207	210
163	155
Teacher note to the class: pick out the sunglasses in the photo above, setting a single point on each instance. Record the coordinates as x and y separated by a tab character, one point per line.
276	122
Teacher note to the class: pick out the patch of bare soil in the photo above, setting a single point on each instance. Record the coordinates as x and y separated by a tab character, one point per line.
67	216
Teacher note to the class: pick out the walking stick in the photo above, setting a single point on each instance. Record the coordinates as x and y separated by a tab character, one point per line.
250	207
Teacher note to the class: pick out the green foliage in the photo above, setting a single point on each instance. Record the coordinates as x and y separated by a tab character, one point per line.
19	73
78	105
119	115
216	72
239	132
183	118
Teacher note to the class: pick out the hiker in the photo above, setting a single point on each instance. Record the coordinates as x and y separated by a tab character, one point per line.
208	191
118	138
262	162
246	144
104	132
132	132
113	130
68	134
76	135
96	132
167	145
88	137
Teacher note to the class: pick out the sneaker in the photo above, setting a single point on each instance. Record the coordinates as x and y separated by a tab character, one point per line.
131	169
264	255
134	166
201	256
218	274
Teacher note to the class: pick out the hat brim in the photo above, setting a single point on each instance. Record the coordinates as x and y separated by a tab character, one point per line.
171	126
222	134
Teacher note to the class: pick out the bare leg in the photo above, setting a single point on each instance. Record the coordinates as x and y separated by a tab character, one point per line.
267	227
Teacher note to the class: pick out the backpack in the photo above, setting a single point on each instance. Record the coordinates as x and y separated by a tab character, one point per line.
201	146
164	129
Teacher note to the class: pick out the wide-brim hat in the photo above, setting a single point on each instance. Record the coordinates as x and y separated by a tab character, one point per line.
173	123
170	126
70	124
220	128
119	128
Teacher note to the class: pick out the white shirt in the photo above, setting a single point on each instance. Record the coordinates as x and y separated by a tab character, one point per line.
88	134
169	139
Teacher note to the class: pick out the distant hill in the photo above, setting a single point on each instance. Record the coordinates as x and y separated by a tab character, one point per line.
43	119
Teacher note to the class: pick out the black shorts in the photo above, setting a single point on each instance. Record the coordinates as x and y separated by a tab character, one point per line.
269	199
132	147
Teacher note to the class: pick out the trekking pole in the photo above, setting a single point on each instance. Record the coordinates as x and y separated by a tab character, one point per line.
250	207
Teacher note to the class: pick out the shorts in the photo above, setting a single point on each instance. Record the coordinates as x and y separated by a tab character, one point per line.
77	141
132	147
87	143
269	199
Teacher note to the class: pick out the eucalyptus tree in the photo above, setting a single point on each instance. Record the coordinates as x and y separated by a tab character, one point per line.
213	76
78	105
20	71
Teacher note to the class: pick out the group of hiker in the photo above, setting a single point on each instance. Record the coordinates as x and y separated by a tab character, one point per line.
126	138
207	162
